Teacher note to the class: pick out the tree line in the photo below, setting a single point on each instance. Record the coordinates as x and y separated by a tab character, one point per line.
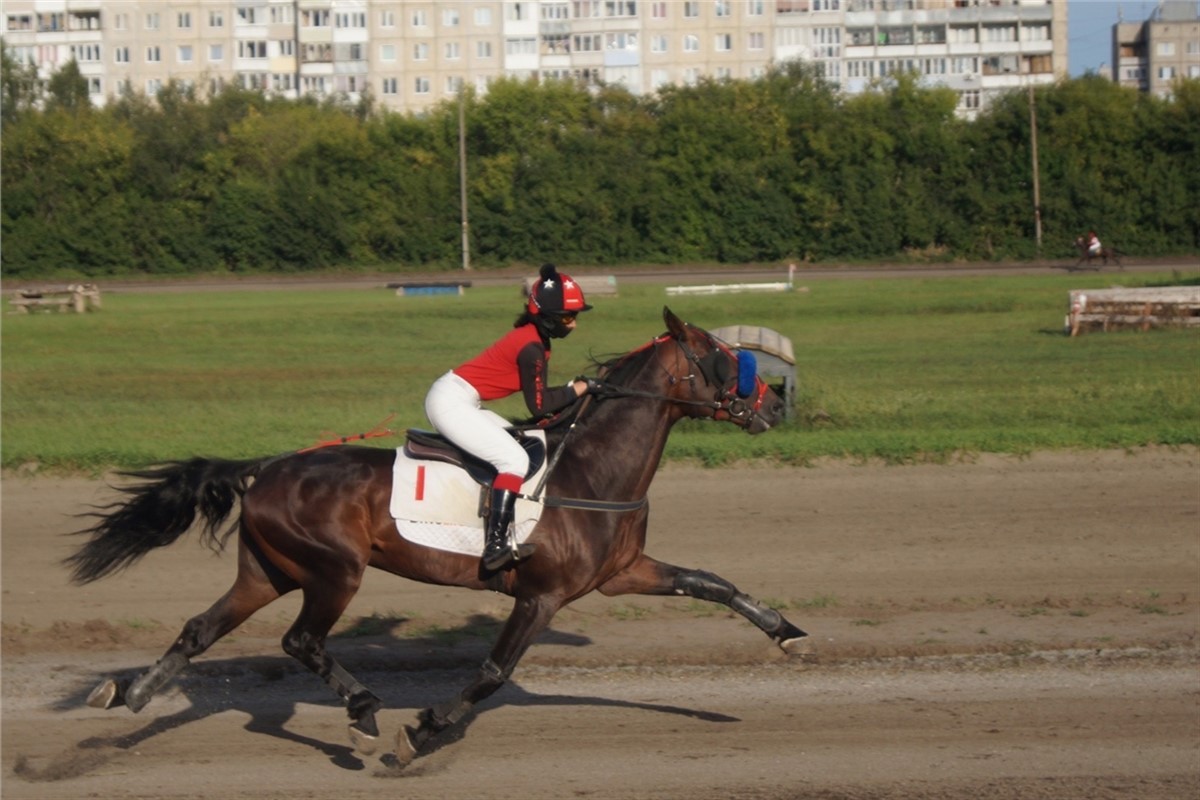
783	167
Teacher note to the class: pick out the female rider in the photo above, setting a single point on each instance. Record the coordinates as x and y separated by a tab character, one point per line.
515	362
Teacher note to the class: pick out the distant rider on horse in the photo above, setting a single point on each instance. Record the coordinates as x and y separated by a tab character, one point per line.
516	362
1093	244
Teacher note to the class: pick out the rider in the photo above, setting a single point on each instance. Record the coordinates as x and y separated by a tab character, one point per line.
515	362
1093	244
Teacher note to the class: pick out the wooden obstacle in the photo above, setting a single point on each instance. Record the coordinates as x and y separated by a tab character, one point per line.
426	288
592	285
737	288
772	350
77	297
1145	308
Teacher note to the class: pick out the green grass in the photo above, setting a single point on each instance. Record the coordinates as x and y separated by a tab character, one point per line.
899	370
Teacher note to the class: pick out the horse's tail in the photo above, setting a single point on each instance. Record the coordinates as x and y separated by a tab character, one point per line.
160	510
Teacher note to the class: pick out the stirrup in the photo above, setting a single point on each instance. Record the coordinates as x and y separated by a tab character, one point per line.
510	554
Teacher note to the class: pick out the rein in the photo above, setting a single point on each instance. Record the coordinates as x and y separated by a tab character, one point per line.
736	407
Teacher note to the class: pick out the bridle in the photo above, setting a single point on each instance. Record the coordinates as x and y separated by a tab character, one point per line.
713	367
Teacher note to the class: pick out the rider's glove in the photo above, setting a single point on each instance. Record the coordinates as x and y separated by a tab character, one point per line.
593	386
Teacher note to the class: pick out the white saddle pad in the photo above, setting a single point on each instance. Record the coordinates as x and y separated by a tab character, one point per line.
438	504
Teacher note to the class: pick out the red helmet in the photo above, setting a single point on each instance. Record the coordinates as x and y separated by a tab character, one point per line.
555	293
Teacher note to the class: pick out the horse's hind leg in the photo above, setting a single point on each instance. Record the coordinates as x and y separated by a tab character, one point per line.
648	576
252	590
324	603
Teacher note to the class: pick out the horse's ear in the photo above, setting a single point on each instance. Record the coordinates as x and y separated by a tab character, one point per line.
675	325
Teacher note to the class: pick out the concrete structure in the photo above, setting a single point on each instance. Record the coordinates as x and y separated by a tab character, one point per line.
1150	56
411	54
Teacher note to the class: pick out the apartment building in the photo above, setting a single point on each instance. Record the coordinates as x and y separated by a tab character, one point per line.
1151	55
412	54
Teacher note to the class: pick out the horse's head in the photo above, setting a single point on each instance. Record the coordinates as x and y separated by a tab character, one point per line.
708	378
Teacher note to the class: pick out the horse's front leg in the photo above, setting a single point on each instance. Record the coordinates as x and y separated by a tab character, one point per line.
529	617
647	576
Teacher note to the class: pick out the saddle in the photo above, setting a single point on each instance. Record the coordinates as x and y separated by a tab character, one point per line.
422	445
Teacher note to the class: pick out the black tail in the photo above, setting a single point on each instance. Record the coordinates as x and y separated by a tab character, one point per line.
159	511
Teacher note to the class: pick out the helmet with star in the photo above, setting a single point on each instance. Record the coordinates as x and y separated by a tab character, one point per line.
554	293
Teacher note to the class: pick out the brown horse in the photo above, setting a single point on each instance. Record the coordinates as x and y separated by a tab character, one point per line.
315	521
1086	256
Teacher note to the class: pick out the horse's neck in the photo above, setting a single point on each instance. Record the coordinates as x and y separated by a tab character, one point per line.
616	447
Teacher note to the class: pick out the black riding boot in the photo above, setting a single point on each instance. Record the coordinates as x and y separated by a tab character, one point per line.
498	548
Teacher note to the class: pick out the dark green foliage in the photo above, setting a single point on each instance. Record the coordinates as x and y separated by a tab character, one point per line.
783	167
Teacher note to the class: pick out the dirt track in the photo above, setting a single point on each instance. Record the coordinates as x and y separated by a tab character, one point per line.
997	629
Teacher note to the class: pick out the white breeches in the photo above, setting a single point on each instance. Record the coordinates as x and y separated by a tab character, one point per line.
455	410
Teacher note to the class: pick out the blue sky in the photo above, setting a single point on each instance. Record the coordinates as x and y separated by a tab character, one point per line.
1089	31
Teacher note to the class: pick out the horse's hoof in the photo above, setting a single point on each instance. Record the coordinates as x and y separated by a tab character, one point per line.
799	647
363	742
106	695
406	749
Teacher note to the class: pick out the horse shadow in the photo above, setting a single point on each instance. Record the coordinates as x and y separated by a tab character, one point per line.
407	672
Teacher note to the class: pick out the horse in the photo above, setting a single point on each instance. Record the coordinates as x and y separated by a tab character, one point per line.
316	519
1086	256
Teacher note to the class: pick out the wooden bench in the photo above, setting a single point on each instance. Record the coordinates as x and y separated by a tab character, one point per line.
78	297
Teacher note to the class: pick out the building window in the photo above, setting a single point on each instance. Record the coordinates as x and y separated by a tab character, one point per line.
658	44
1166	73
85	53
969	100
153	54
1165	48
691	9
691	43
387	19
453	84
216	52
755	8
153	86
121	55
152	22
453	51
216	19
658	11
286	47
390	86
826	5
249	49
587	43
283	15
314	18
483	50
387	52
523	46
621	41
421	51
282	81
722	8
95	86
248	15
421	85
420	19
483	17
756	40
184	54
515	12
723	42
183	20
620	8
449	19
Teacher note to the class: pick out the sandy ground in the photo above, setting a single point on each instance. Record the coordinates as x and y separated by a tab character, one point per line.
1004	628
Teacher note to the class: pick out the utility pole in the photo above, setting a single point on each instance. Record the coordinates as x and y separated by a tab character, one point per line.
462	177
1037	195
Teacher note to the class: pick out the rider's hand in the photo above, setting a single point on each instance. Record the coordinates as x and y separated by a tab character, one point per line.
585	385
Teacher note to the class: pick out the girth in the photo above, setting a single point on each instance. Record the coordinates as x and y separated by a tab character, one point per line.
431	446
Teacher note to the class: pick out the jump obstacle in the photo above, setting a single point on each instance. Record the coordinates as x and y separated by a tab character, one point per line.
737	288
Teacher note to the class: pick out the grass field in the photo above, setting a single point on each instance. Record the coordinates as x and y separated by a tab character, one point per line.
901	370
